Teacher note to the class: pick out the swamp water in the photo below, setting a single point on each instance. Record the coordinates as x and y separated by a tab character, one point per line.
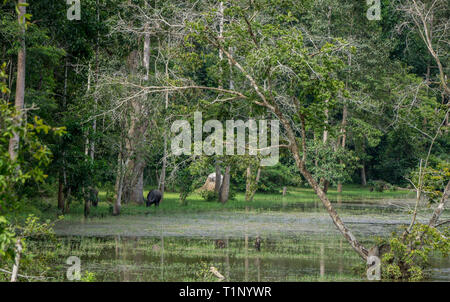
299	242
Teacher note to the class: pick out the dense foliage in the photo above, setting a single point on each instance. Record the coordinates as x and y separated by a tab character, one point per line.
366	101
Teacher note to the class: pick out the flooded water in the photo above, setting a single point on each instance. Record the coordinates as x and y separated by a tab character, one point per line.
188	259
298	243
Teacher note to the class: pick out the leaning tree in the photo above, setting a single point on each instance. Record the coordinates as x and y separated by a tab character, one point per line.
273	71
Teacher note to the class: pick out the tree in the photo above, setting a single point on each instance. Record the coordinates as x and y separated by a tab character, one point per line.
430	20
20	83
296	78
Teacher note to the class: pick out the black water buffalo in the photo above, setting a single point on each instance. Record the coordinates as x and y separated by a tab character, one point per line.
90	199
153	197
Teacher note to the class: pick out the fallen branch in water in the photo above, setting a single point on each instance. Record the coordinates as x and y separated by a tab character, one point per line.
216	273
15	269
441	223
23	276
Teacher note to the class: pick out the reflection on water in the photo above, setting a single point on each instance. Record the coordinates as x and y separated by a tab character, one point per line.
298	243
300	258
179	259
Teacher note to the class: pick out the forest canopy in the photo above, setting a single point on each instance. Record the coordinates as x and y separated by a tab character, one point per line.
89	94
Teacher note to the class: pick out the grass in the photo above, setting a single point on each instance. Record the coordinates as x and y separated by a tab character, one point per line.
262	202
295	254
292	257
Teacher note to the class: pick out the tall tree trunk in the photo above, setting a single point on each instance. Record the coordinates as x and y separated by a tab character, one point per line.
219	183
225	189
15	270
258	176
326	184
324	181
94	122
118	199
133	185
60	193
360	149
162	180
87	133
20	82
343	138
251	183
146	57
67	204
363	176
118	188
218	178
137	193
221	21
133	180
87	204
325	130
294	147
248	183
62	180
344	114
164	162
89	144
135	140
65	83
